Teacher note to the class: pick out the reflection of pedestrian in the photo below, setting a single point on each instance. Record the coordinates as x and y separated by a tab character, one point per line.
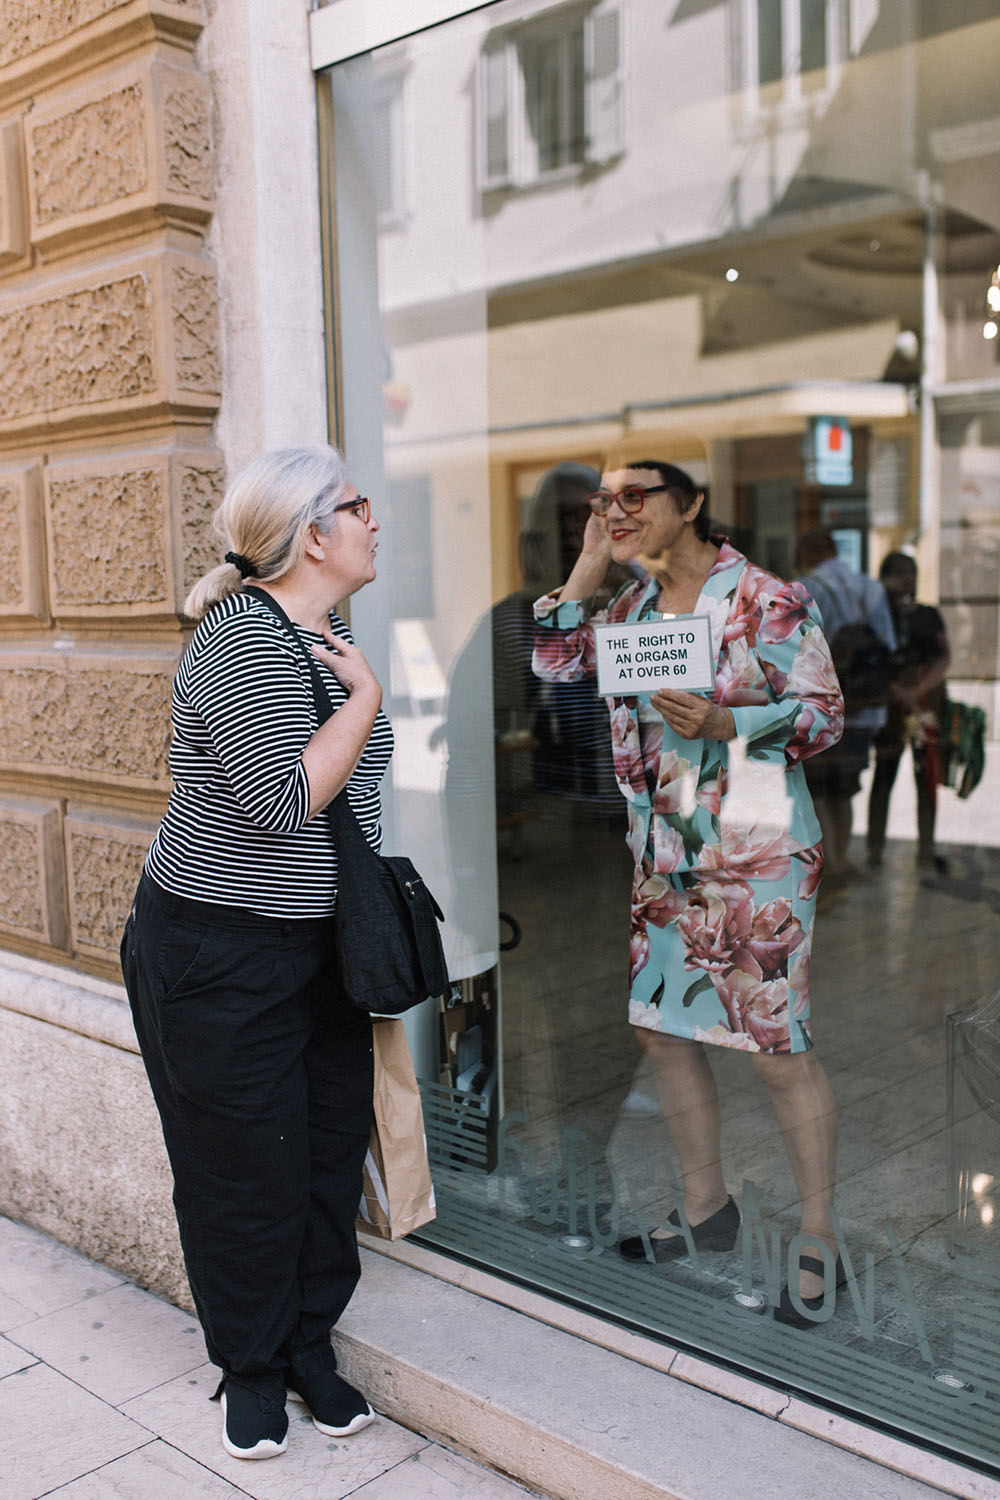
550	737
844	598
721	917
916	695
544	739
568	720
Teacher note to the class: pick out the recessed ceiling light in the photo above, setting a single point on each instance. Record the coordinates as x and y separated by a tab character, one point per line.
732	274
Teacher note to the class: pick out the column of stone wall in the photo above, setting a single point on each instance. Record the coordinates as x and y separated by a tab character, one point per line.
109	383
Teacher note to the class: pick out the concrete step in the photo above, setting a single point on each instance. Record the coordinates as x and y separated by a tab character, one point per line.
576	1420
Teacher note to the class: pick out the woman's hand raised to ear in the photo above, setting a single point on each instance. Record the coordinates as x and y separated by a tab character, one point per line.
349	665
595	539
591	566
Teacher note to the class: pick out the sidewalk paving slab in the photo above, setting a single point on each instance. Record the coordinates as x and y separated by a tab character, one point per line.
13	1313
104	1395
13	1359
52	1431
41	1275
436	1474
155	1472
94	1342
314	1467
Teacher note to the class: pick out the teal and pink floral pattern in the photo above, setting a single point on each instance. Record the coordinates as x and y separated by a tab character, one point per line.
721	914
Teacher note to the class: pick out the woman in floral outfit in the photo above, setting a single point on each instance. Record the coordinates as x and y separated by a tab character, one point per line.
721	913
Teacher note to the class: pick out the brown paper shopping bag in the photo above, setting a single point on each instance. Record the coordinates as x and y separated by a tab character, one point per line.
397	1195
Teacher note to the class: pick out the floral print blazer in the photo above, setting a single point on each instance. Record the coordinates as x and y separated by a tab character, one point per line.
773	670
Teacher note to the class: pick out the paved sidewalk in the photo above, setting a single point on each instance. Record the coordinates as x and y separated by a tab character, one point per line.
104	1396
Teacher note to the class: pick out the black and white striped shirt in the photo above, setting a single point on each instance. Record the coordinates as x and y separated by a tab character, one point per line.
235	830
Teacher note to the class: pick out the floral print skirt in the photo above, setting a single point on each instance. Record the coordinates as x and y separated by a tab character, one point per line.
725	959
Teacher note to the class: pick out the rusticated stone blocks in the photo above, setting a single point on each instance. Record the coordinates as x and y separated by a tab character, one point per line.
31	25
31	870
197	488
88	156
13	195
134	145
104	858
128	535
135	341
100	717
22	543
107	535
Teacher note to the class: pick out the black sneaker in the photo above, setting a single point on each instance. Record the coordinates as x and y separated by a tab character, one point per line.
336	1408
254	1424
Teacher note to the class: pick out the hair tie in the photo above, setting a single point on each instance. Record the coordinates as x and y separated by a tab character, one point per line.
246	567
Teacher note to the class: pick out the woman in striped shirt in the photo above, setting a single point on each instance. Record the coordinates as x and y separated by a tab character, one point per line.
263	1079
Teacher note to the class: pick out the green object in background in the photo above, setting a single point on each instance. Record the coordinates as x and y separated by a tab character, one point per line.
963	746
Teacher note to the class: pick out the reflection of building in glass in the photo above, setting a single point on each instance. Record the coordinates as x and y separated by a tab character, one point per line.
736	265
696	227
660	229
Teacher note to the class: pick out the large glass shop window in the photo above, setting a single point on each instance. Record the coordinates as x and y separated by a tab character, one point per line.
564	231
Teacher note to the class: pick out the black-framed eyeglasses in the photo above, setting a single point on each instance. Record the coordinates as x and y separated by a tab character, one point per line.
631	499
362	507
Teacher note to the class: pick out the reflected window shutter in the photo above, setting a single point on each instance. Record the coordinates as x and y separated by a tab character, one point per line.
863	15
382	161
605	83
493	86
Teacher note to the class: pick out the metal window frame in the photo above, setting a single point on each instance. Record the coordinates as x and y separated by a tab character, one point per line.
347	28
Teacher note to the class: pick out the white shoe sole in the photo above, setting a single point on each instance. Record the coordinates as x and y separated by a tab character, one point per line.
266	1448
363	1419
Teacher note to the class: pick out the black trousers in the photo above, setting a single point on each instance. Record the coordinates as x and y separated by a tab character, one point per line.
889	747
264	1088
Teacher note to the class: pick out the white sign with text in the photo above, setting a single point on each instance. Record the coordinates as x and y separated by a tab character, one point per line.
641	657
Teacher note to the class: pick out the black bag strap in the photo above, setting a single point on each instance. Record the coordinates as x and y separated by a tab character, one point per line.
348	835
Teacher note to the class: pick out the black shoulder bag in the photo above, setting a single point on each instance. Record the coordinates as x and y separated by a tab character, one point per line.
388	944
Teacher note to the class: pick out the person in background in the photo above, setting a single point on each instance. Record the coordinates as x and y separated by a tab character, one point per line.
843	598
920	665
261	1073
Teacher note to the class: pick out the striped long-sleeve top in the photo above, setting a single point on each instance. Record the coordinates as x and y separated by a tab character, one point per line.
235	831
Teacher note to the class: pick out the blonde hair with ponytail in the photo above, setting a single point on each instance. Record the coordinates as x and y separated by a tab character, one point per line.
265	516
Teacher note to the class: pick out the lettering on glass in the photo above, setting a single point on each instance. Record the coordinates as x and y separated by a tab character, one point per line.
563	1194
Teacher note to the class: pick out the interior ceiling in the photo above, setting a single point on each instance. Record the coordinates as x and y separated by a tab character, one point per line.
854	267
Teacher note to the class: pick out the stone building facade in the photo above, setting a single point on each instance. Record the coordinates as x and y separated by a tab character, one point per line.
109	384
141	217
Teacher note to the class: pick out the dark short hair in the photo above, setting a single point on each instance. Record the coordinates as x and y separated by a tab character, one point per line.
683	491
897	562
815	546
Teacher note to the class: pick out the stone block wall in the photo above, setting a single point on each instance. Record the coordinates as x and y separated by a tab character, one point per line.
110	385
128	137
110	382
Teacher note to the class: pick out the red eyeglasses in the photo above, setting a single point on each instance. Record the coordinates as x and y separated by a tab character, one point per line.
631	499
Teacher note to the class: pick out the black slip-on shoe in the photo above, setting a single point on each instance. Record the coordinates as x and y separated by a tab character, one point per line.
717	1232
786	1312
